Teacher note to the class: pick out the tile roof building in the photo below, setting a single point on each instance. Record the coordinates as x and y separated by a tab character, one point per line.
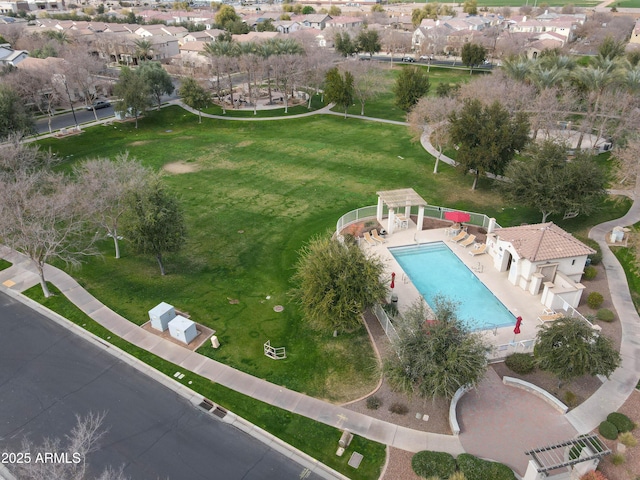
541	258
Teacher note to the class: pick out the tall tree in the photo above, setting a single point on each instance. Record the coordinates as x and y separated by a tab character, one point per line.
411	85
434	359
369	81
336	282
344	45
157	79
156	225
36	87
82	70
538	180
368	41
133	91
569	348
339	88
195	96
41	212
487	137
14	117
473	55
106	186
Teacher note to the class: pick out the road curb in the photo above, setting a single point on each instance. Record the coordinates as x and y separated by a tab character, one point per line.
308	462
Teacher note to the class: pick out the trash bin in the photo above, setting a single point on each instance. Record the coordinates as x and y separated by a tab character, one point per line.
394	300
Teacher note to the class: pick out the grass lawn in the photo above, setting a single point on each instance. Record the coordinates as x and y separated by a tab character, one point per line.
627	4
4	264
314	438
384	106
263	189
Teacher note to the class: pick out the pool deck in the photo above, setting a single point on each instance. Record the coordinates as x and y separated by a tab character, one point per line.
518	301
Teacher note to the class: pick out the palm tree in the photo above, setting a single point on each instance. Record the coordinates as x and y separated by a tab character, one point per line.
144	49
224	50
595	79
547	77
517	68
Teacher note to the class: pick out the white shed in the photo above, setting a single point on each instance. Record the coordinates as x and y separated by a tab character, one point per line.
161	315
182	329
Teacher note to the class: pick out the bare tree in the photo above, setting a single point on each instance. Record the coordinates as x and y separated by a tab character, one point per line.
40	211
83	440
287	69
106	186
514	95
36	88
369	81
82	72
432	114
316	66
628	168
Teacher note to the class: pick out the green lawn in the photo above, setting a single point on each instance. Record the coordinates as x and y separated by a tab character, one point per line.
262	190
314	438
384	106
4	264
627	4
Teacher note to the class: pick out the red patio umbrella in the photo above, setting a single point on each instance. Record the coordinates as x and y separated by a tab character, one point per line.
393	280
518	323
458	217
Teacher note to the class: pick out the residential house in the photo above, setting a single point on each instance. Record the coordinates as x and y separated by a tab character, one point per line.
315	20
287	26
345	22
9	56
541	259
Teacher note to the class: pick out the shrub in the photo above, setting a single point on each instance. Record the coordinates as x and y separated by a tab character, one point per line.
373	403
478	469
590	273
570	398
458	476
399	408
627	439
439	464
605	315
593	475
520	363
596	258
608	430
594	300
621	421
618	459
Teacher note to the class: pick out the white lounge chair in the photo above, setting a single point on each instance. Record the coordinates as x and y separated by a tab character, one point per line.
376	237
468	241
479	249
369	240
459	237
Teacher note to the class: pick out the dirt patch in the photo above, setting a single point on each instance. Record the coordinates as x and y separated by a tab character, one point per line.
180	167
139	143
246	143
399	466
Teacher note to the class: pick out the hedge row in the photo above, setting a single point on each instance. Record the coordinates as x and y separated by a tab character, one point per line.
442	465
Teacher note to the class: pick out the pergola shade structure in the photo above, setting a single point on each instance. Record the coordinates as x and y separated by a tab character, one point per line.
395	200
581	449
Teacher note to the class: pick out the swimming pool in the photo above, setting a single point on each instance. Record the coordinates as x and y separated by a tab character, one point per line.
435	270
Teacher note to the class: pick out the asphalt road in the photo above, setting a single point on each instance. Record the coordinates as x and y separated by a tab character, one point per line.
48	375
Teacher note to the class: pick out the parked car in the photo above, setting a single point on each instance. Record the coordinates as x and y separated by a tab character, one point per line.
98	105
426	57
408	59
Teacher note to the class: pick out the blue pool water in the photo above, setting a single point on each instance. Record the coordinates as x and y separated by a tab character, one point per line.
435	270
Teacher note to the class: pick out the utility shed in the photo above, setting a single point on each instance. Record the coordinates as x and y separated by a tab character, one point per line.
161	315
182	329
